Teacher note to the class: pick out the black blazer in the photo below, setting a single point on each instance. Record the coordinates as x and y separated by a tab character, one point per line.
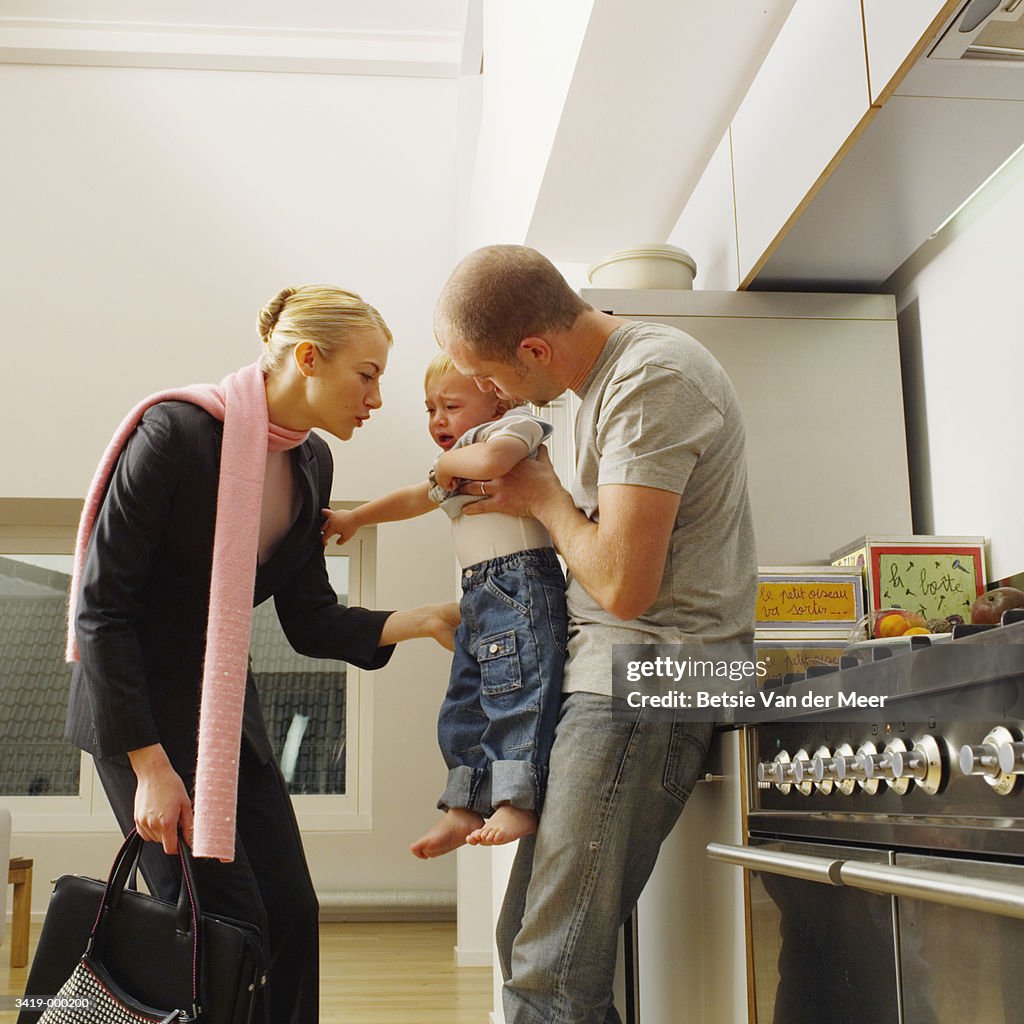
144	595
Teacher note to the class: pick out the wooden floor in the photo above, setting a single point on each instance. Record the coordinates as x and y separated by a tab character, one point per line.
402	973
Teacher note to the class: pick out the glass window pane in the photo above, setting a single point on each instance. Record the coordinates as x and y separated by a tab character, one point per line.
303	700
35	759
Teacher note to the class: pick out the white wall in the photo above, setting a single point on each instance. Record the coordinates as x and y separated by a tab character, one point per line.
147	216
960	331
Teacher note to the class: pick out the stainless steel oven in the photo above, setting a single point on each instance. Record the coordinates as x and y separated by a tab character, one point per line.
886	856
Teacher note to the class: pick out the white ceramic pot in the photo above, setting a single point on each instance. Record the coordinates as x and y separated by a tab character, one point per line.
646	266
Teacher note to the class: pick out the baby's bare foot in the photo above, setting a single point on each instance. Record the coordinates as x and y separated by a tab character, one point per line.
505	825
448	834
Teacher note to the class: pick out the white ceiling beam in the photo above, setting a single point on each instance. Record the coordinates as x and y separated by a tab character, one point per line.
654	88
230	48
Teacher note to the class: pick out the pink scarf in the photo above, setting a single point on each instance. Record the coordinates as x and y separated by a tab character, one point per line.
240	402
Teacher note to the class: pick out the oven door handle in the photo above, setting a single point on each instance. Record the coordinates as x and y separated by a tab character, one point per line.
979	894
793	865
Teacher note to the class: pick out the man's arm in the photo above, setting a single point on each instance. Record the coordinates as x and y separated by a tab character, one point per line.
619	560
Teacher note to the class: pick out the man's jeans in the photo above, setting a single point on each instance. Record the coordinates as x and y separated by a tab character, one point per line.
497	722
616	787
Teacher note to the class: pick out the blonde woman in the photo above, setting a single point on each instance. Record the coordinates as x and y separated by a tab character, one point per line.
207	502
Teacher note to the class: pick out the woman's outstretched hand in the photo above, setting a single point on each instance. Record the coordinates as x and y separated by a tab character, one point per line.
438	621
446	620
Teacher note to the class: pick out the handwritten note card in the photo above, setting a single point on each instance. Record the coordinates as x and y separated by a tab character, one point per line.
782	657
932	583
802	603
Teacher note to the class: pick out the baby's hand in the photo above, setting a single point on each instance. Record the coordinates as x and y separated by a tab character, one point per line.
340	524
443	475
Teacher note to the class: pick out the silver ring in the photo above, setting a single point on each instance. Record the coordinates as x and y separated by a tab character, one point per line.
483	489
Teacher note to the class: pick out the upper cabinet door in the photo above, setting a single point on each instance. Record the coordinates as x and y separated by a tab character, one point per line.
896	34
805	103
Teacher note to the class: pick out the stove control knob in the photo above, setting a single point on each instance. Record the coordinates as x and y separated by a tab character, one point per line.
878	766
980	759
986	759
778	772
800	772
849	767
829	771
1011	758
927	765
851	771
910	764
883	766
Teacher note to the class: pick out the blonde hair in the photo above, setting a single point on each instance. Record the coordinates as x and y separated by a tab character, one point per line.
438	367
441	365
321	314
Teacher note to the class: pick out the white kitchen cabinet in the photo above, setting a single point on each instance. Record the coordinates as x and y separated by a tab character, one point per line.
706	228
806	101
916	163
895	34
818	379
691	943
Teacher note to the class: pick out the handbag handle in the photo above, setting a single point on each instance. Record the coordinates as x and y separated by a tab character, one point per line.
126	864
188	913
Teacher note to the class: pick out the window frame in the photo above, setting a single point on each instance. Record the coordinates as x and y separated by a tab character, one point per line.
48	526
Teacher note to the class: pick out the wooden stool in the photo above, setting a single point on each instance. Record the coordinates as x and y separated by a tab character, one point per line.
19	874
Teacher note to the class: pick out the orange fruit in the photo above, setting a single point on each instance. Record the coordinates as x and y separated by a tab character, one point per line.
892	625
917	631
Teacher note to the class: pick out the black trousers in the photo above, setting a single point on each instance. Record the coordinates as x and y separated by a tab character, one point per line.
267	884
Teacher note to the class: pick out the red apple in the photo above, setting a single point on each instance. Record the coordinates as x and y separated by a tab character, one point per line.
990	606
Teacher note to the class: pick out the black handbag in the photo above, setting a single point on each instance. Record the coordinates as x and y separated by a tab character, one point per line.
147	952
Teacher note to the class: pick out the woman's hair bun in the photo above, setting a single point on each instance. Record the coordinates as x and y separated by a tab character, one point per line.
271	312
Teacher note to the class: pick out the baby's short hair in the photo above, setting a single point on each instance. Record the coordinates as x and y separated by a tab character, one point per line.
437	368
441	365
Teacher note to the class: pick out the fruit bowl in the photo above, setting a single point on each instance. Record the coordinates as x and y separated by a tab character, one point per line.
893	622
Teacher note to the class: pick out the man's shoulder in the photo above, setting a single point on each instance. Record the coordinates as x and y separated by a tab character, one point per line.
652	344
662	365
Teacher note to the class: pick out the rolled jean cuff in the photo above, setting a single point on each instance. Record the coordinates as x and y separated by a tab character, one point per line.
518	783
467	788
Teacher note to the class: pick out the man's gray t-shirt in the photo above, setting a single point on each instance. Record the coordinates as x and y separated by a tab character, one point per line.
659	411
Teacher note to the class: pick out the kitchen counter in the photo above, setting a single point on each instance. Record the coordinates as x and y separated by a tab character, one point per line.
916	683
